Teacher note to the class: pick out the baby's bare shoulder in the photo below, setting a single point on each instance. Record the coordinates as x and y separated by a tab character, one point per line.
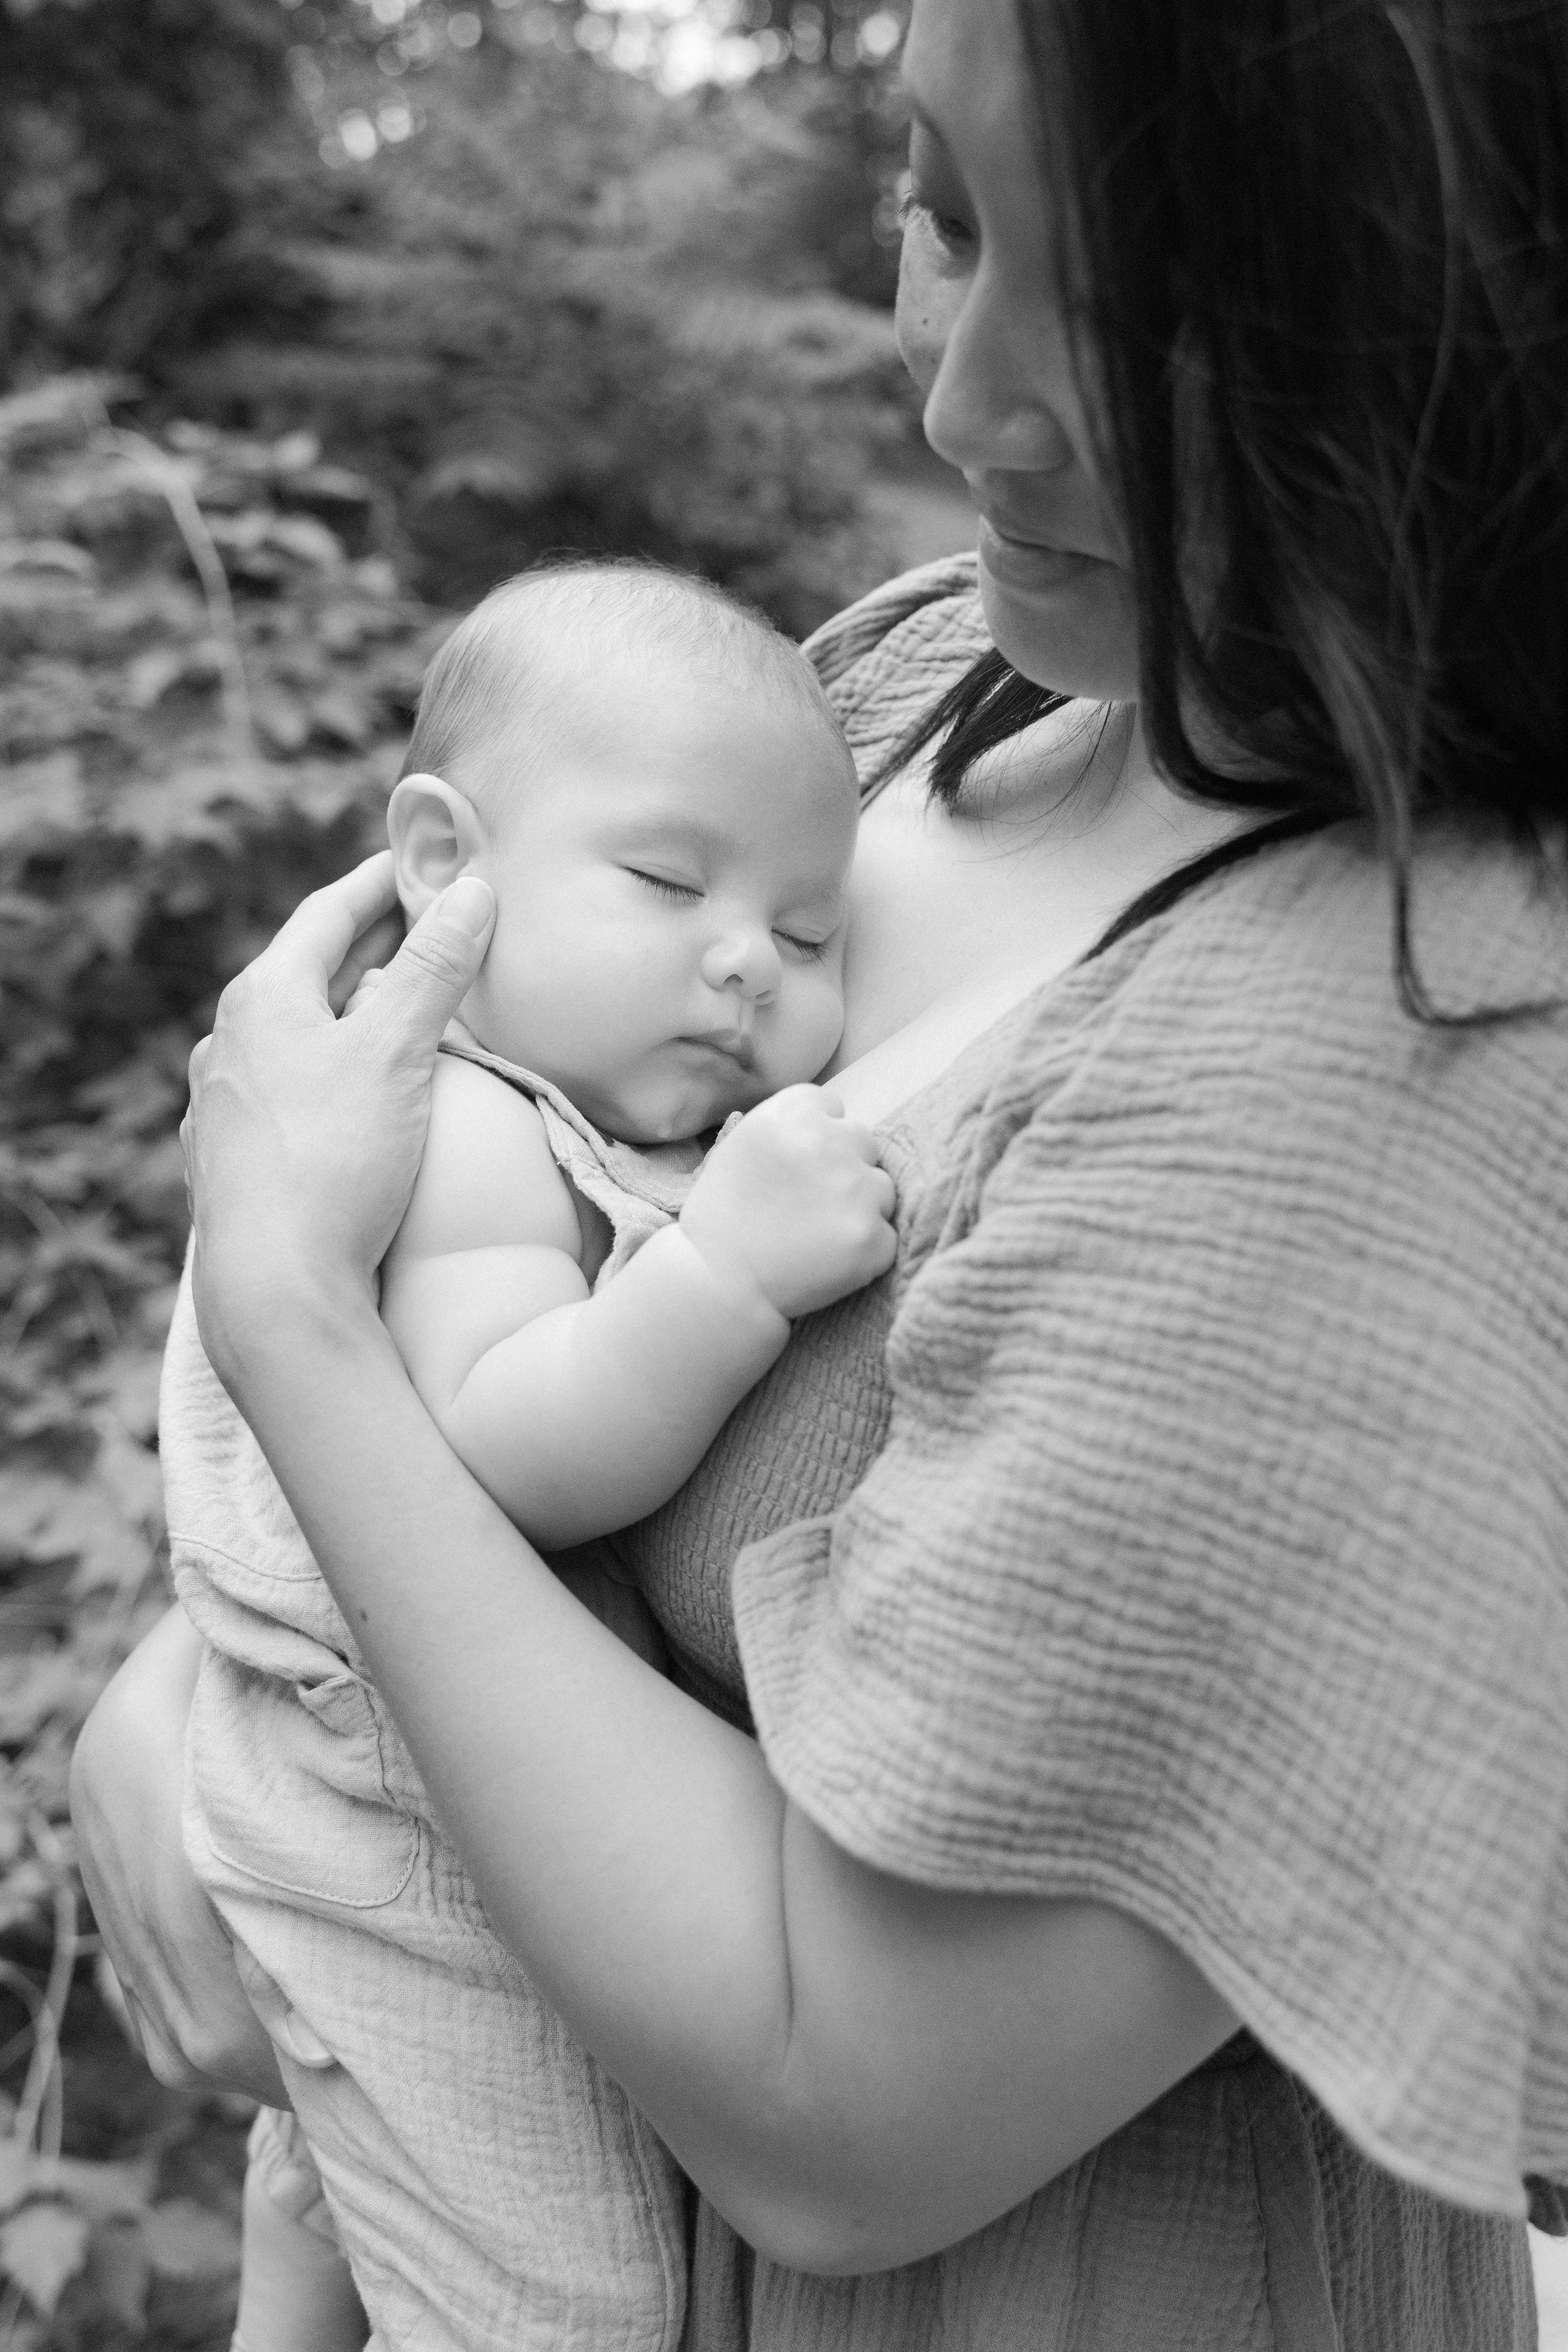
488	1176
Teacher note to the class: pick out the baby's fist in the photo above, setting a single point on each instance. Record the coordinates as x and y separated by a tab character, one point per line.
793	1201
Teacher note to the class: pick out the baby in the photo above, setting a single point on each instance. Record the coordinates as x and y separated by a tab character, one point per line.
651	781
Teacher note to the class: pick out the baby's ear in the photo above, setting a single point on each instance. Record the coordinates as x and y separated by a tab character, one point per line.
435	835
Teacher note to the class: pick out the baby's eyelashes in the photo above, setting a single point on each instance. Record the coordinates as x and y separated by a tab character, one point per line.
805	947
663	886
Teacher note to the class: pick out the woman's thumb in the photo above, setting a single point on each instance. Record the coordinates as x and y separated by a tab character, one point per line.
438	962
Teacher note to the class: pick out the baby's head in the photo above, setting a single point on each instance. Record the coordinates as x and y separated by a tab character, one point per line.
650	779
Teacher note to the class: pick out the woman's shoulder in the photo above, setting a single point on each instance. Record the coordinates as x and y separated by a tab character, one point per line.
887	657
1289	958
1249	1053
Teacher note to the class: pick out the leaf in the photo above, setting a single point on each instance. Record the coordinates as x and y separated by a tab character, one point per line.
120	2272
42	1516
185	2241
42	1686
296	452
113	916
341	718
126	1383
13	1834
47	555
281	723
158	810
25	1893
104	2192
41	797
155	1188
152	674
131	1476
106	1523
42	2248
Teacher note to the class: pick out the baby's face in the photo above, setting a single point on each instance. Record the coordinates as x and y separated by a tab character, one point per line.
669	885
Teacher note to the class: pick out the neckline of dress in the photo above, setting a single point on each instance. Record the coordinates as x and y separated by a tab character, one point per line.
1160	897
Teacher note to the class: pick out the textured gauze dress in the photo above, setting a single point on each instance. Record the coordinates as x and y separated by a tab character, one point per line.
1183	1523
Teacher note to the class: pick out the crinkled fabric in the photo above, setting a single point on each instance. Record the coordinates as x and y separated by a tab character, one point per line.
1185	1524
1216	1560
637	1187
493	2189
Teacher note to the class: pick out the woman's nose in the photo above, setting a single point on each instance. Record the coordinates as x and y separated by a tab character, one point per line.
746	959
1003	386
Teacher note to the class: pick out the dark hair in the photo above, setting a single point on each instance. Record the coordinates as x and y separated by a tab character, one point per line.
1319	253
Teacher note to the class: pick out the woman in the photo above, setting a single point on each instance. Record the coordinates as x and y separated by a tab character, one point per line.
1172	1637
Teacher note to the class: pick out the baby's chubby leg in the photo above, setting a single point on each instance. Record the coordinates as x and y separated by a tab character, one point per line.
296	2291
493	2190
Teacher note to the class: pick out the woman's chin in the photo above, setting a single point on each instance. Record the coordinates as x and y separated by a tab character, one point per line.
1080	638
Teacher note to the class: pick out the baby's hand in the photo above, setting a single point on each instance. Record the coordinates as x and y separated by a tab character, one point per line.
794	1199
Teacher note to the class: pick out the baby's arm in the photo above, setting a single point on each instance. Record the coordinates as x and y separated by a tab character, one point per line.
578	1412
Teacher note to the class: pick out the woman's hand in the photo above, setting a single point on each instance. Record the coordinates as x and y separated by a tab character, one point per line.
166	1942
304	1131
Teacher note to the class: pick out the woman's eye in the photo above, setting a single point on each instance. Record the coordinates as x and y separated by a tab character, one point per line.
682	891
955	233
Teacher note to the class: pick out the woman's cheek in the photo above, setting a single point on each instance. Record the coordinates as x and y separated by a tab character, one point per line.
822	1025
919	314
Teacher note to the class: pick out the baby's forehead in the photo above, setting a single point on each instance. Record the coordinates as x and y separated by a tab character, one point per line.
594	674
579	635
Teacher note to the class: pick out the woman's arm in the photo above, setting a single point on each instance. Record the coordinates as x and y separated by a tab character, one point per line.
855	2070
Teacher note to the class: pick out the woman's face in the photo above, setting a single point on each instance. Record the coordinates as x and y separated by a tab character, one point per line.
983	333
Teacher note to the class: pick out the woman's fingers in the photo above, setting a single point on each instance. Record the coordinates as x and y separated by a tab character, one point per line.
374	949
319	935
434	968
304	1131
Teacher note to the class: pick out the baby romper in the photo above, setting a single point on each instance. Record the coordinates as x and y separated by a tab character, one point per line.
493	2189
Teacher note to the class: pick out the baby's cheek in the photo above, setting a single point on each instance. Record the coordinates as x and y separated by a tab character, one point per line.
819	1026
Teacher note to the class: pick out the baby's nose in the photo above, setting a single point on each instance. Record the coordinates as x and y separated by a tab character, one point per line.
745	958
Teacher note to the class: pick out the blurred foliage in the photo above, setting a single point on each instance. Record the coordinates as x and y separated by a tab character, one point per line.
575	325
539	300
147	149
315	319
205	687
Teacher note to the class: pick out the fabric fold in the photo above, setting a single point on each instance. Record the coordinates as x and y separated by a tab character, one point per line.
1214	1564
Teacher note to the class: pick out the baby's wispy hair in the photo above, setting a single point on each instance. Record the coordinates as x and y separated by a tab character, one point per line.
497	678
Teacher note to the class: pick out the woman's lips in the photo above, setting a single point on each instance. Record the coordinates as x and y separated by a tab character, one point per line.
1024	563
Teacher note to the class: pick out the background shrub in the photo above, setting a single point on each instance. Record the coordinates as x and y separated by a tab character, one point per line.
267	414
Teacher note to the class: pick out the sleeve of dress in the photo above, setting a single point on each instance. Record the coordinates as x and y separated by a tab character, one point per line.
1216	1565
887	657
